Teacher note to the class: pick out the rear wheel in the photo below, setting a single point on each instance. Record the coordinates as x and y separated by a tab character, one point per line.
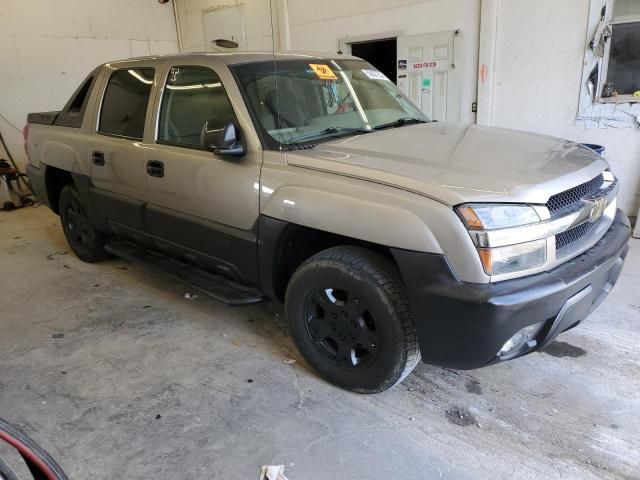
350	318
85	241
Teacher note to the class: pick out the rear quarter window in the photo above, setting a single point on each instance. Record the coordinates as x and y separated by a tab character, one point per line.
72	114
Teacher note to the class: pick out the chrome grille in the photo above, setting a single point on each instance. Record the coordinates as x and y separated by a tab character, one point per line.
571	198
565	239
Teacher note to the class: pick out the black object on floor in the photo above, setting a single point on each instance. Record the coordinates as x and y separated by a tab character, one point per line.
41	465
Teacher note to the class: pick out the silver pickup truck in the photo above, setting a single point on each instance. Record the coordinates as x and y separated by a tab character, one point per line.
310	179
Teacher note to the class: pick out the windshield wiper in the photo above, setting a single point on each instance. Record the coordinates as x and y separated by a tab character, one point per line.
330	132
399	123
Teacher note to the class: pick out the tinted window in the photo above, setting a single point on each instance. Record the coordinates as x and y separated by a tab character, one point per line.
81	96
624	59
125	101
314	100
192	97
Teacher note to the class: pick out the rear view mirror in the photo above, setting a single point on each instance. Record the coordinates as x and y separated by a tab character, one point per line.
222	139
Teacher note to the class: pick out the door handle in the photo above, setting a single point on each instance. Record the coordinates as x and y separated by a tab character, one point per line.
155	168
97	158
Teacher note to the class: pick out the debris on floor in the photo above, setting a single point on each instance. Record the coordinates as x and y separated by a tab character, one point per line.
289	361
56	254
460	416
190	296
272	472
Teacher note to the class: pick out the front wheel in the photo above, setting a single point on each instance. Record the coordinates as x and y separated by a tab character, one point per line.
85	241
350	318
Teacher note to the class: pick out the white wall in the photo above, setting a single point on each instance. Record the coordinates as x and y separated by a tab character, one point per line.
536	83
47	47
257	22
318	25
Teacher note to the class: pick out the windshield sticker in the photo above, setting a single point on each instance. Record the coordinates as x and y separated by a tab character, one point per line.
375	75
323	71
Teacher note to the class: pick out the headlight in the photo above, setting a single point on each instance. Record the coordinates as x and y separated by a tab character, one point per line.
503	258
513	258
494	216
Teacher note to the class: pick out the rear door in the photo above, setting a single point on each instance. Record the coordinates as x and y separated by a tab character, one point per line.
117	150
202	207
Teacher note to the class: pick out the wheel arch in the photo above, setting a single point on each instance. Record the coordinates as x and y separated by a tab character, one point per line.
284	246
55	180
297	222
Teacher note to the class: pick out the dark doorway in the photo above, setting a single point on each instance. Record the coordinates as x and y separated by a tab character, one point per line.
382	54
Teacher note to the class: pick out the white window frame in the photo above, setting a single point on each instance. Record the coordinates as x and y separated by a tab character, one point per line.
603	63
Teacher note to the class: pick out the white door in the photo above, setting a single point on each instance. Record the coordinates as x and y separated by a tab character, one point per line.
427	74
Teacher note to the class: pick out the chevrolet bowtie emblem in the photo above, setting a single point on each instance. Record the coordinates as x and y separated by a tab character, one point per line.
598	206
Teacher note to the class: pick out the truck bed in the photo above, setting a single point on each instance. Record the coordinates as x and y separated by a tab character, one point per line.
43	118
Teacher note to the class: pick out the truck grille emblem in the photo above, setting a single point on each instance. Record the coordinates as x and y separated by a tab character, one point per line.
598	207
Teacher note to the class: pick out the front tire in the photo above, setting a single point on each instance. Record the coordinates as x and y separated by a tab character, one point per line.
350	318
85	241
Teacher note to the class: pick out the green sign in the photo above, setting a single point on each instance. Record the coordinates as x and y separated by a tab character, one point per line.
426	83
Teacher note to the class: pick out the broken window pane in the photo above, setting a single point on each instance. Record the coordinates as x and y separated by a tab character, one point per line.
623	76
625	8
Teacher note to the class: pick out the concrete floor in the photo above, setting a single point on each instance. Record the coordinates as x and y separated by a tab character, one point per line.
147	384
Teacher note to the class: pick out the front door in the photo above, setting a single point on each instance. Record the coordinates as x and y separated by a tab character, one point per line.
428	75
202	207
116	150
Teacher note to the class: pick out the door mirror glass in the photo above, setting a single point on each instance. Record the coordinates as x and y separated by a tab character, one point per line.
222	139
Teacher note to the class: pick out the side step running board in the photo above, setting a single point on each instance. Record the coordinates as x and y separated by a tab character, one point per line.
207	283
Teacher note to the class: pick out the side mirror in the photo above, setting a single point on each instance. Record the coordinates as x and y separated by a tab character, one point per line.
222	139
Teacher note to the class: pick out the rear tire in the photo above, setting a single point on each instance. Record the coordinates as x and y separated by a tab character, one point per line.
85	241
350	318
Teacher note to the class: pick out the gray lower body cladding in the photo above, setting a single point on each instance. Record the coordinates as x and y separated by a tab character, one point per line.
464	325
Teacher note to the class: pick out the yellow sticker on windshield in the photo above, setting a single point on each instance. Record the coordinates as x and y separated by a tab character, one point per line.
323	71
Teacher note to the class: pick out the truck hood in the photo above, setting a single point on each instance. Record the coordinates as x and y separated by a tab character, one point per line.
454	164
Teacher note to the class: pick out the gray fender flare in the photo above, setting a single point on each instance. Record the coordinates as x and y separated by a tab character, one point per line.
379	223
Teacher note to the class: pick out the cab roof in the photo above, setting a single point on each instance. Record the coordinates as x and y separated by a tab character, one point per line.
235	58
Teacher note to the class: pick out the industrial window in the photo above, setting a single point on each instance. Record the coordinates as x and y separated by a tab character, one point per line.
192	97
124	106
617	43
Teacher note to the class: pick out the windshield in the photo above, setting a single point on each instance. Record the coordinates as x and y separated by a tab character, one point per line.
295	101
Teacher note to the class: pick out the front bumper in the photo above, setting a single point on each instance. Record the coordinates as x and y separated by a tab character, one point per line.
464	325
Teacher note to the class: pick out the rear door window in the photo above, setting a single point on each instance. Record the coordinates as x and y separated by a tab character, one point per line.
192	97
125	102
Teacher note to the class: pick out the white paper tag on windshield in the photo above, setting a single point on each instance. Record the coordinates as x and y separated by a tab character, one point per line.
375	75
